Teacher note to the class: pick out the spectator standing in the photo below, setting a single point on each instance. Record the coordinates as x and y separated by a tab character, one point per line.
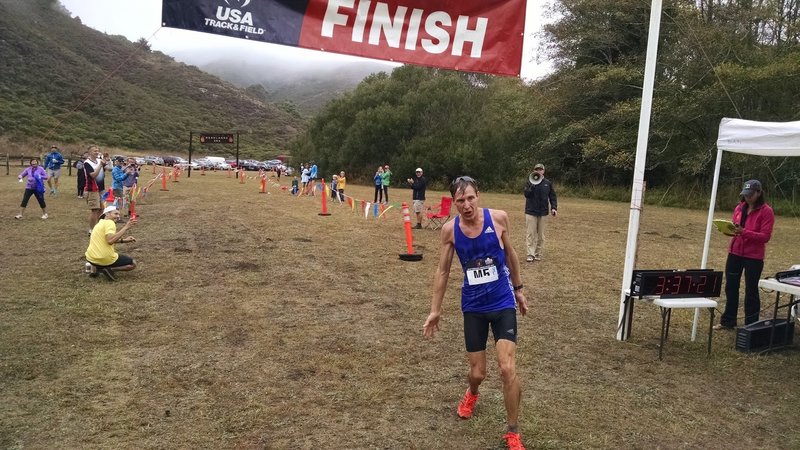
418	185
386	180
81	175
342	185
118	176
753	220
305	178
34	187
130	182
313	175
378	179
101	255
540	200
94	171
53	162
295	187
334	183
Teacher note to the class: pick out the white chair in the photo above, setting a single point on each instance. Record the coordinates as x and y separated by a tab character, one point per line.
667	304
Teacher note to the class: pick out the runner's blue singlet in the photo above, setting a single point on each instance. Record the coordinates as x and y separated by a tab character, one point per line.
487	285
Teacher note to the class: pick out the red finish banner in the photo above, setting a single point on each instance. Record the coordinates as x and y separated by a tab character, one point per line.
467	35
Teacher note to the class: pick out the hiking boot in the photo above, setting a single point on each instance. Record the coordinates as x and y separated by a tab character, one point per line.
467	404
513	441
108	273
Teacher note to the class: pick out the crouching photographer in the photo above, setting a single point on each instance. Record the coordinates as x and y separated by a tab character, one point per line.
101	256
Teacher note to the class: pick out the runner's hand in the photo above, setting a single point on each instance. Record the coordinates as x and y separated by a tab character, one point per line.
522	302
431	325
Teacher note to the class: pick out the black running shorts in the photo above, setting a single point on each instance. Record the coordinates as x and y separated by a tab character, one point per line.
476	328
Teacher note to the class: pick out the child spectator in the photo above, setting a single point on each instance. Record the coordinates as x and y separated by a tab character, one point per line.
342	184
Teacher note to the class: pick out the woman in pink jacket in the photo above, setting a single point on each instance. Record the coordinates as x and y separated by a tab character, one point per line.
753	220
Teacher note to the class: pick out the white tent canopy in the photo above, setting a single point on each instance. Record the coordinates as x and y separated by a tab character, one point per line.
758	138
752	138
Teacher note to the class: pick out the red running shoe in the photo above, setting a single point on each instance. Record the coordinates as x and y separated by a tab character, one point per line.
467	404
513	441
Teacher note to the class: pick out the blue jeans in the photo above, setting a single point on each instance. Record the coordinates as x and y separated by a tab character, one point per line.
733	275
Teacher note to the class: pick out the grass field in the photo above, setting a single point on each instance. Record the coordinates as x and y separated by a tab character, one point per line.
254	322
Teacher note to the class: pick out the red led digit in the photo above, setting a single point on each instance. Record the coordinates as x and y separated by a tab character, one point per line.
660	285
701	284
677	289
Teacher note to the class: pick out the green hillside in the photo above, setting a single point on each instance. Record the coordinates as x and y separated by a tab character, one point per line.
63	82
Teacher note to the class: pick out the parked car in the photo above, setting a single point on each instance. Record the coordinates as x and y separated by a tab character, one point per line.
157	160
186	164
169	160
249	164
139	160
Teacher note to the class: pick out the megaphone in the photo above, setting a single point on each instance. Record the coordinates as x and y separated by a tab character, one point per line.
535	178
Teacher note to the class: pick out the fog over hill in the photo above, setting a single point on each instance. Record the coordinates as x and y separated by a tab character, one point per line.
308	85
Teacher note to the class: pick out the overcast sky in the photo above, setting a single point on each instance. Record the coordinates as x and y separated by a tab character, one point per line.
137	19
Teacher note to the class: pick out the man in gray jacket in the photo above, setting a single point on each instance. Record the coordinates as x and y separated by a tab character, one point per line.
540	201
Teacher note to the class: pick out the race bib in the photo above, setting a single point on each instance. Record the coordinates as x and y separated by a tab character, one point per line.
481	271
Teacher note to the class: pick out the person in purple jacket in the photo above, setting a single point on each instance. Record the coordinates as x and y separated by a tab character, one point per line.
753	220
35	186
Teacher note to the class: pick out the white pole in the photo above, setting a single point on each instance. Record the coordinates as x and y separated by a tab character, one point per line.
707	242
639	165
712	205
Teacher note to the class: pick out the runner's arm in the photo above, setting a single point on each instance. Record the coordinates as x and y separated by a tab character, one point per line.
512	261
440	279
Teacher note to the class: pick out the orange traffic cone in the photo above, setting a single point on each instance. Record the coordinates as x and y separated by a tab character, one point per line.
324	202
410	256
164	179
110	197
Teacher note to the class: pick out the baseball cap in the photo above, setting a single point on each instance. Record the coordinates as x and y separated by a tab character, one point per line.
750	187
538	166
108	209
419	169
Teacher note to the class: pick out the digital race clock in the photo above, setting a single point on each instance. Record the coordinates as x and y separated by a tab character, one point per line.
676	283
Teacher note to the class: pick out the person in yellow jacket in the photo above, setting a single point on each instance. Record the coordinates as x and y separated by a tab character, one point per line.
342	183
101	256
